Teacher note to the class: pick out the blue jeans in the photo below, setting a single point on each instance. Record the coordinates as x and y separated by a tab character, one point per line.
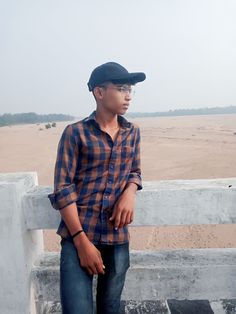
76	283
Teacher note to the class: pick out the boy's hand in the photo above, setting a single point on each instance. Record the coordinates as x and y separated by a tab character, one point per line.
123	212
90	257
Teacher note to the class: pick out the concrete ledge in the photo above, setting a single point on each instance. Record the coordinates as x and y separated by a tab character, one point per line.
39	214
27	179
131	307
161	307
197	274
179	202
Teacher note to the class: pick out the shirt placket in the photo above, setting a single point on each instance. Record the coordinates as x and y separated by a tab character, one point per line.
109	187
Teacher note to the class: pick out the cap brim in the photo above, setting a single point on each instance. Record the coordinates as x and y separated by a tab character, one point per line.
131	78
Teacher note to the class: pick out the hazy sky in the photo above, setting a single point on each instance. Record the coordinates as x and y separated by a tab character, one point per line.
187	48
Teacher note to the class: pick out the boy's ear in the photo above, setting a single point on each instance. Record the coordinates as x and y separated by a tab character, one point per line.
98	94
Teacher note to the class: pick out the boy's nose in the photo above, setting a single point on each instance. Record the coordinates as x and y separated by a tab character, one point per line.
128	96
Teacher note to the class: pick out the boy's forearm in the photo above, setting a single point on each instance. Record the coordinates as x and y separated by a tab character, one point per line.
71	218
90	257
70	214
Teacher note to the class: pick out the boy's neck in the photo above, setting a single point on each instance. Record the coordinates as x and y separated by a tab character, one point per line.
106	119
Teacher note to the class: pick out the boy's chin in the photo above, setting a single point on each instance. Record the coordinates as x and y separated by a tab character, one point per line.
123	111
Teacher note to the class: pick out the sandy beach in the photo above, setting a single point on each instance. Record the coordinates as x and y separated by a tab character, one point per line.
189	147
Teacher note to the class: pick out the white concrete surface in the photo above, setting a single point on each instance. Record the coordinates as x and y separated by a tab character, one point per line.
178	202
177	274
19	246
196	274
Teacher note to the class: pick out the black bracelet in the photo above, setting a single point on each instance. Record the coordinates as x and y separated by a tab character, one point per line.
75	234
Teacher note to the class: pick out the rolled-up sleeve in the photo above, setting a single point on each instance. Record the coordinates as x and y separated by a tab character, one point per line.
65	192
135	173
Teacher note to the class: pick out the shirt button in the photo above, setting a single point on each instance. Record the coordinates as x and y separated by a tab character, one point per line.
106	196
112	166
109	182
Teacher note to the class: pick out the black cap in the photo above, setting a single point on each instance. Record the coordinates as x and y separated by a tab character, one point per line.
115	73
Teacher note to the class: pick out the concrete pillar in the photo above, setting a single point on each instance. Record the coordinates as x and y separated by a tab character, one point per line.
19	246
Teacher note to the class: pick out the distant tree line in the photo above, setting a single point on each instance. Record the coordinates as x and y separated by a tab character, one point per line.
32	117
184	112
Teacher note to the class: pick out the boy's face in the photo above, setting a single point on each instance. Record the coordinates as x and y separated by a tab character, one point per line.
114	98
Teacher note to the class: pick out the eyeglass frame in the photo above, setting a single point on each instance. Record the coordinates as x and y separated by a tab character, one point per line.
122	88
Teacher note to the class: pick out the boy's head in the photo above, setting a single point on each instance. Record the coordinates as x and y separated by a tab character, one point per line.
112	72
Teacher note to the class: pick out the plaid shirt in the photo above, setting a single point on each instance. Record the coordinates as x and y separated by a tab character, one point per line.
93	171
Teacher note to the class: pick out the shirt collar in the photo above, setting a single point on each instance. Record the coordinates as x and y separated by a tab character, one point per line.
122	121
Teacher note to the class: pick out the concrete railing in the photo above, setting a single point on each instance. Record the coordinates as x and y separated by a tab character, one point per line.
30	277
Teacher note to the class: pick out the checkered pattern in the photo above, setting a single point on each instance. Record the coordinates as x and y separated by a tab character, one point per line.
93	171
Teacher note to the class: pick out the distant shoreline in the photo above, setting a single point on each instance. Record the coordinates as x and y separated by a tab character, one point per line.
8	119
184	112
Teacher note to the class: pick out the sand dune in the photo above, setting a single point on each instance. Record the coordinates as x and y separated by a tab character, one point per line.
196	147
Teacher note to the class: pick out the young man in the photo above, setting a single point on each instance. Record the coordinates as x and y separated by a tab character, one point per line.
97	173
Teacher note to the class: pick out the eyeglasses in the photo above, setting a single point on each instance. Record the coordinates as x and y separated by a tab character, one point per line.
124	89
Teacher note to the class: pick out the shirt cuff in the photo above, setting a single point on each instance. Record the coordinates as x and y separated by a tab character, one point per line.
135	178
63	197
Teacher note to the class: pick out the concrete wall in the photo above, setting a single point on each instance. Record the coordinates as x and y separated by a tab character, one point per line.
179	202
158	275
25	208
19	246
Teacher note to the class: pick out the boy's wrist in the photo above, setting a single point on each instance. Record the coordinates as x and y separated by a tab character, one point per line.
77	233
131	186
81	238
